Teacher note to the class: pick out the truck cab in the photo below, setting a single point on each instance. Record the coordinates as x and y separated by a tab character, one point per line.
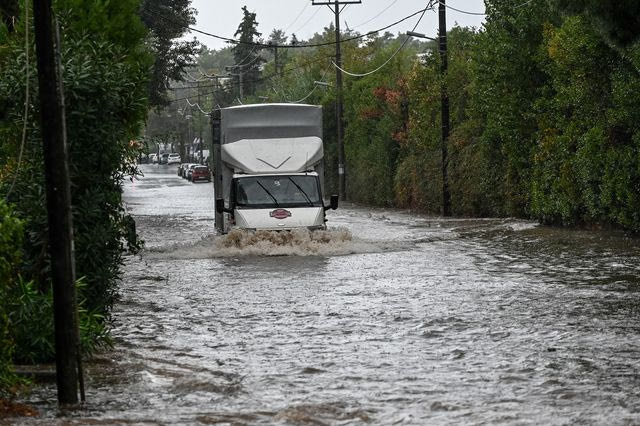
277	202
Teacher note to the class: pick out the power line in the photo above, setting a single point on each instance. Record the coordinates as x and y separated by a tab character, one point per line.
523	4
315	86
479	13
288	46
306	97
385	62
247	57
307	21
257	80
197	105
462	11
297	17
381	12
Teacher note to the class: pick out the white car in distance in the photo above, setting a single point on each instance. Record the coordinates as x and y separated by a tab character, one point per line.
174	158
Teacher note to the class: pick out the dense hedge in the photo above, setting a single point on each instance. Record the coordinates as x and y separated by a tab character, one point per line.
10	257
545	120
105	75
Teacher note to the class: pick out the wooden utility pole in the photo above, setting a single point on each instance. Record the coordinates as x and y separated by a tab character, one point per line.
58	207
216	153
339	96
444	96
274	46
200	125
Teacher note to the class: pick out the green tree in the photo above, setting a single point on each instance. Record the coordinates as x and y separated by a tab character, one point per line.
246	54
586	169
105	79
507	82
618	20
168	20
11	235
375	118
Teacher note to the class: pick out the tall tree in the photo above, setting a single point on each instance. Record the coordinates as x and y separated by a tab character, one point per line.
246	54
619	20
168	20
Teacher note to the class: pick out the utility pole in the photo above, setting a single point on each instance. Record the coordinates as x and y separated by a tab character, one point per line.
339	96
274	46
230	68
216	153
200	125
58	195
444	96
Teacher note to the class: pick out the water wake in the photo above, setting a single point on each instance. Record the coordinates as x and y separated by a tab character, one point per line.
332	242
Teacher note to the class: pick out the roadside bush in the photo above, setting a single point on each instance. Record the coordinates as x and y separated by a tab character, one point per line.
30	313
10	256
105	84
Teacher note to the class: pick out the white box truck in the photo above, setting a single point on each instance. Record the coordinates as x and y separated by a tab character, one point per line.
268	167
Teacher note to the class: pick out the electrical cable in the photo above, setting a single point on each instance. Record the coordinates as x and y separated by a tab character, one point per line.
288	46
242	64
261	79
315	86
255	58
307	21
381	12
461	11
297	17
25	116
523	4
478	13
193	79
385	62
306	97
196	105
254	81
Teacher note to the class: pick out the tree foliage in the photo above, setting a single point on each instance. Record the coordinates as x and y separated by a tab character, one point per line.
168	20
105	79
246	54
544	112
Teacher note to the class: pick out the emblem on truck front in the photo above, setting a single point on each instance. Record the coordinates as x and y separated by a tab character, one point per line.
280	213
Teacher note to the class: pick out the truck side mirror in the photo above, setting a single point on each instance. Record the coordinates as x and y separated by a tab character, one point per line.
334	202
220	205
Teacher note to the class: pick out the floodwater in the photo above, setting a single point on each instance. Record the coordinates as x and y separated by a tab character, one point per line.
387	318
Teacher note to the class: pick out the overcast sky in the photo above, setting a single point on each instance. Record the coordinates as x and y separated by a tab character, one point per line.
221	17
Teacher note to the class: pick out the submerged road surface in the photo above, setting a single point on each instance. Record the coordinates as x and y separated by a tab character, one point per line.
387	318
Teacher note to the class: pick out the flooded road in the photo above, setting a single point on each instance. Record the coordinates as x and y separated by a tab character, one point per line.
388	318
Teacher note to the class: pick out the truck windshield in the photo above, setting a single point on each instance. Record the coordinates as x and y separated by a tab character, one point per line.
277	191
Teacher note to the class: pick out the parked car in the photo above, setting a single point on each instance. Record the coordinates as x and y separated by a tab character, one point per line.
173	158
164	157
183	169
190	170
200	173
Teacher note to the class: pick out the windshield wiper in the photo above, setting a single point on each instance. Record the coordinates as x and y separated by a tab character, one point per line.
268	193
301	190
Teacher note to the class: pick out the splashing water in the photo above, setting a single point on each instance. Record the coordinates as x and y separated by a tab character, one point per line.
300	242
